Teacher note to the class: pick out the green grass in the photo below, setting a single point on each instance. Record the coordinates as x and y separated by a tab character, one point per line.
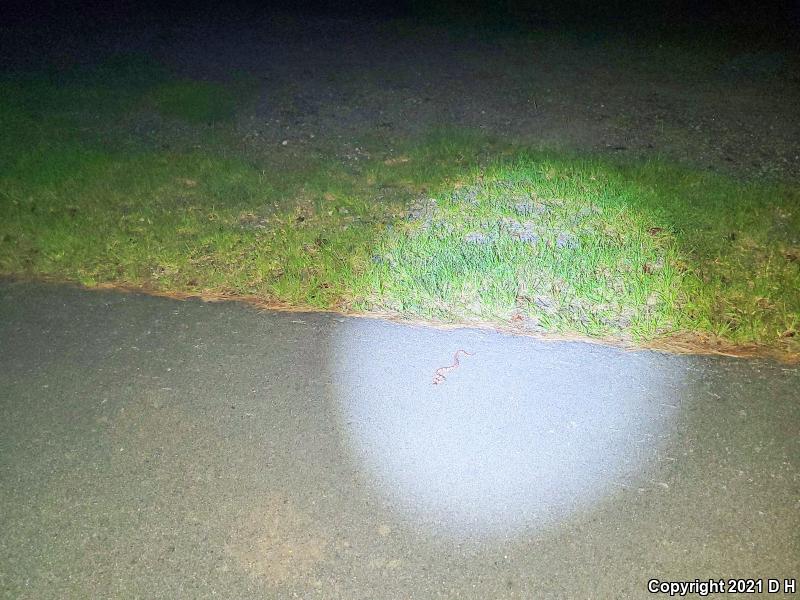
570	245
452	227
195	101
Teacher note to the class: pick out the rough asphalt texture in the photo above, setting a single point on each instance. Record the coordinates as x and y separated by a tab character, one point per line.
159	449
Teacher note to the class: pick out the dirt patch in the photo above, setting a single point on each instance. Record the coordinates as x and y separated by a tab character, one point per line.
354	87
612	97
278	542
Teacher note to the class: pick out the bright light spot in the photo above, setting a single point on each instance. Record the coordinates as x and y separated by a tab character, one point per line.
519	435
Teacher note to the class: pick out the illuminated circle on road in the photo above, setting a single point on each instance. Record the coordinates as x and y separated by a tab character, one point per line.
519	435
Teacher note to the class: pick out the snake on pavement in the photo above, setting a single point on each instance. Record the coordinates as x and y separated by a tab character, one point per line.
439	377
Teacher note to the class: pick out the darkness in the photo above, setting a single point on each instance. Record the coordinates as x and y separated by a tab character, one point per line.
748	18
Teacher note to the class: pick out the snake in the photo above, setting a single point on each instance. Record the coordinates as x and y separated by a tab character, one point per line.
439	375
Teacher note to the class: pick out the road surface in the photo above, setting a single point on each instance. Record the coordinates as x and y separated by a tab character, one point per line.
152	448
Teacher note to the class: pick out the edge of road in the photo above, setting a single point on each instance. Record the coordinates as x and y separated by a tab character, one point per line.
679	343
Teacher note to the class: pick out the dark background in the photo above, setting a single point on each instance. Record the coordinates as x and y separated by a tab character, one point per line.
778	17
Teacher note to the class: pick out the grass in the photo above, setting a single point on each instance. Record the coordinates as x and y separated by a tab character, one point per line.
450	227
195	101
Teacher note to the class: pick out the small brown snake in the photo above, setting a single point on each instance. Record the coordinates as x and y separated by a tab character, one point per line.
439	376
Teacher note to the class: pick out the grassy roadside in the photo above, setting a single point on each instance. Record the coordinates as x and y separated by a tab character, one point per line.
451	227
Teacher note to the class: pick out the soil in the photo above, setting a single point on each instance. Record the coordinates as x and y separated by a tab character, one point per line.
340	83
344	84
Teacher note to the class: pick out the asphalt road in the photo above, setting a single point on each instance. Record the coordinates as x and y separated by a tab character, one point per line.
151	448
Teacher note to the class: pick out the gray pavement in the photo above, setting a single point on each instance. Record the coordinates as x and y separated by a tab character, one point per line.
152	448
